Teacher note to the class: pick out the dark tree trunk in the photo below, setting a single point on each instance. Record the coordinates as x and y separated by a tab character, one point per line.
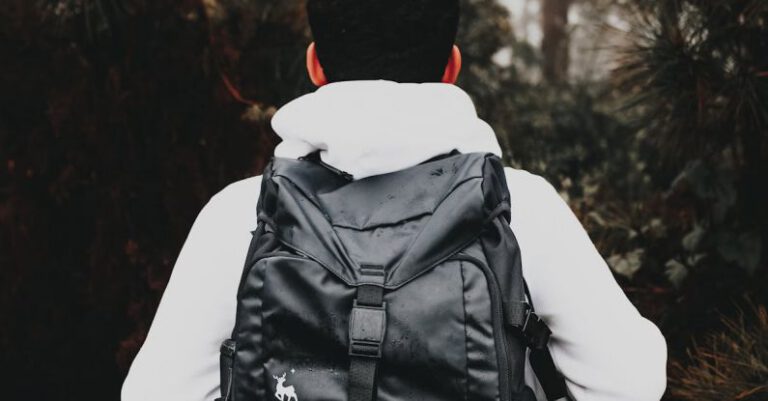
554	44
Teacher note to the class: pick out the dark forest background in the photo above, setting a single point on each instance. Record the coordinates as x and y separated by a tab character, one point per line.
120	118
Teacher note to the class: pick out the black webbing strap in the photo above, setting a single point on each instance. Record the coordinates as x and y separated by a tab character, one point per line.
551	380
367	326
362	379
535	332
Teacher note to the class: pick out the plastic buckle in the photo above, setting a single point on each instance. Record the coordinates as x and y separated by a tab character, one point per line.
535	330
367	326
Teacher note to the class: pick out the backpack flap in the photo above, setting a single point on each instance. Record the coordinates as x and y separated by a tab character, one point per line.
433	209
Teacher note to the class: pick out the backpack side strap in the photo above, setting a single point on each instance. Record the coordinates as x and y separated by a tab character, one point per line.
537	334
551	380
521	317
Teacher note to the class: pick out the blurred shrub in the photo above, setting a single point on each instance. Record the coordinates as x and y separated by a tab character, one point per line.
665	163
118	120
696	89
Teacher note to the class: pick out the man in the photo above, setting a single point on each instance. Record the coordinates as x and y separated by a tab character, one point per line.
386	102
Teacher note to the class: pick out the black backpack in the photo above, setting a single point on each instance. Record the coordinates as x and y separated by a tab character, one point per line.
402	286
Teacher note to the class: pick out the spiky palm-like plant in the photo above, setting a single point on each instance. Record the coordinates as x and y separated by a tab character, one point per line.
698	71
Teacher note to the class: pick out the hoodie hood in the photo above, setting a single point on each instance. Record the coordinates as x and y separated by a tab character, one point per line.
368	128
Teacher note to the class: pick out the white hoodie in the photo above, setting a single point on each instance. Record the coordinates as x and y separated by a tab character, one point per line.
601	344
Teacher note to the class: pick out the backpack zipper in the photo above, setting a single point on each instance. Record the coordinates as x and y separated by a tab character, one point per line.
499	335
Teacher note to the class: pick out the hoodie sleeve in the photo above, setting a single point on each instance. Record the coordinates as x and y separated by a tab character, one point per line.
605	349
179	360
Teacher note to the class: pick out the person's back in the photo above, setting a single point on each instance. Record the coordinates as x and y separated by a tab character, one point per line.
390	106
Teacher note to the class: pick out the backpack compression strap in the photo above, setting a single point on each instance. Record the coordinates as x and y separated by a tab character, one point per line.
520	316
536	333
367	326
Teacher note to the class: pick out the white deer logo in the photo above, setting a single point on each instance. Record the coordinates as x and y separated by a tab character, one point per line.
283	392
